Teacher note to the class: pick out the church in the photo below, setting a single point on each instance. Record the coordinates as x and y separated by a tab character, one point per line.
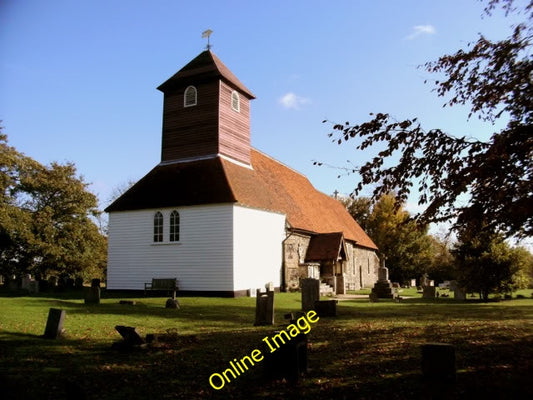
223	217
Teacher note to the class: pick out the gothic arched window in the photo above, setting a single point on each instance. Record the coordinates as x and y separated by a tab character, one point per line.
175	226
158	227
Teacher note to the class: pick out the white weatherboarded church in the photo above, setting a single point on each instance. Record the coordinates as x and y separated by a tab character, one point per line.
222	217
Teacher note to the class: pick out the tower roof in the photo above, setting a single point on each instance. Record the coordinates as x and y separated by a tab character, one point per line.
205	65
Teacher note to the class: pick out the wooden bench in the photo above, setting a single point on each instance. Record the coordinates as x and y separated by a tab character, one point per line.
170	284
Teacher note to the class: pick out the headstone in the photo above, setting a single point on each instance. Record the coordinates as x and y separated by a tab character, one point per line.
264	308
413	282
438	363
25	283
424	281
326	308
459	293
33	287
69	283
252	292
92	295
383	287
429	292
172	303
130	335
269	286
289	361
78	283
54	324
52	282
95	282
431	282
310	293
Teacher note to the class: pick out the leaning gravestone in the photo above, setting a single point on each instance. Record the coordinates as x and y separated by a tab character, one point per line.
54	324
264	308
310	293
289	361
130	335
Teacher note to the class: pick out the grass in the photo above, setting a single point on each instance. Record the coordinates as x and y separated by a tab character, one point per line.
370	351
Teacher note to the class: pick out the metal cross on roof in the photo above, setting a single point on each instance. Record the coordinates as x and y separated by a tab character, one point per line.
206	34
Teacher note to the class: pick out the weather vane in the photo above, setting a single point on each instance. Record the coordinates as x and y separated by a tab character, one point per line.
206	34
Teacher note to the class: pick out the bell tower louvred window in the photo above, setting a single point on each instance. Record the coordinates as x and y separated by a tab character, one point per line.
190	97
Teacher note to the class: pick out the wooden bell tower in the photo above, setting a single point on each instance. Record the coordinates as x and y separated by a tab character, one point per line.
206	113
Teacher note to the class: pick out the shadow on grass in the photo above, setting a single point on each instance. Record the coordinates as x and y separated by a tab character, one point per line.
373	358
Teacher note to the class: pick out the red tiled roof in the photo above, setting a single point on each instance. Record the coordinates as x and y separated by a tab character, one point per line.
206	64
274	186
270	185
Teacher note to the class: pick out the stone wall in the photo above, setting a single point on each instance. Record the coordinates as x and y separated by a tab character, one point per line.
366	263
360	270
294	250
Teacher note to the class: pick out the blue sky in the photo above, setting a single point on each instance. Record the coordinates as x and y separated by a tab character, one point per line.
78	78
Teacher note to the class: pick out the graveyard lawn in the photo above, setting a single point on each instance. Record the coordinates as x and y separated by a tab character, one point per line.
369	351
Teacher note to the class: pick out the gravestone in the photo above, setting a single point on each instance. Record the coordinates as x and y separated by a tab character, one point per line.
69	283
92	295
326	308
453	285
172	303
459	293
78	283
95	282
264	308
438	363
310	293
54	324
52	282
289	361
130	335
383	287
413	282
429	292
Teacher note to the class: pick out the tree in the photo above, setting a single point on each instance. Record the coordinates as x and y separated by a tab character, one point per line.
487	264
46	221
405	244
360	209
495	79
